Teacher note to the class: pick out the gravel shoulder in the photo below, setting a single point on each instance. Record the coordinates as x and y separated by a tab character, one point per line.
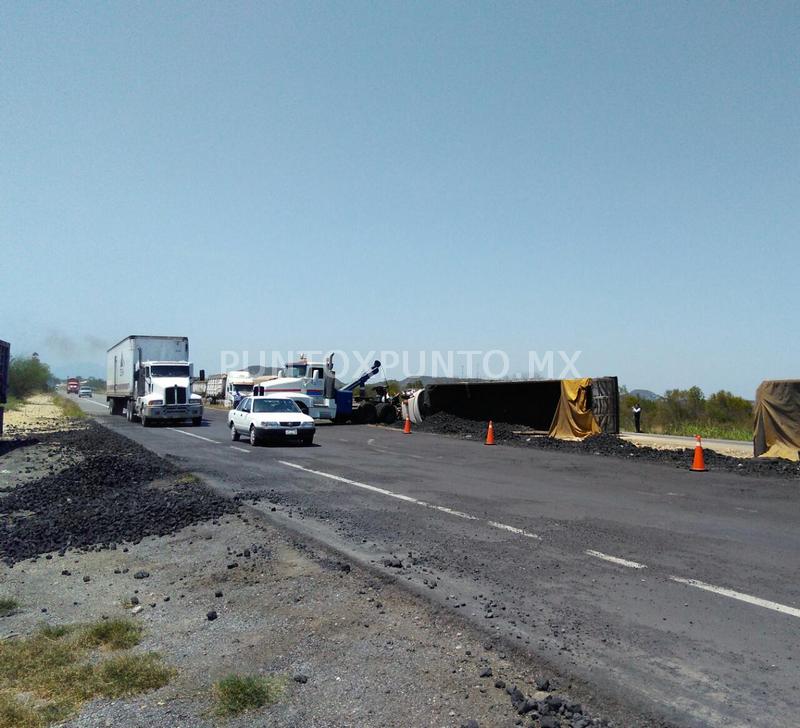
673	442
220	591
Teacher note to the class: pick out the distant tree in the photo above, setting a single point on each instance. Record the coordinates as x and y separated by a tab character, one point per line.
727	408
27	375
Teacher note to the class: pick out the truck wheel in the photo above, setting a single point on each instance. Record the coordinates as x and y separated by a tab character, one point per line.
386	413
254	439
367	414
129	412
145	421
197	421
234	434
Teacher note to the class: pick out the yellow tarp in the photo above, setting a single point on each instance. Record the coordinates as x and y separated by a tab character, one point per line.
573	419
776	430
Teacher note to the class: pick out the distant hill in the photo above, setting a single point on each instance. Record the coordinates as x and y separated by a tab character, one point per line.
644	394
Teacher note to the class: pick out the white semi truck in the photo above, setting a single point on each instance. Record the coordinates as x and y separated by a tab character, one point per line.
313	382
149	378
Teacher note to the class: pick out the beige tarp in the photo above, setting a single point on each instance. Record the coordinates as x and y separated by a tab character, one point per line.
573	419
776	427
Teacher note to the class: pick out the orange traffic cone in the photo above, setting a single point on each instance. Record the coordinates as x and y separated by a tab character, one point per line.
699	463
490	434
407	426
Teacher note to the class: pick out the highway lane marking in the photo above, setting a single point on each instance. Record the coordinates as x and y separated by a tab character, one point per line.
757	601
775	606
513	529
191	434
371	443
616	560
240	449
99	404
382	491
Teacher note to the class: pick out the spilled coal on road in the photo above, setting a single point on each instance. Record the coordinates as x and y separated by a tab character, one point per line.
115	491
603	445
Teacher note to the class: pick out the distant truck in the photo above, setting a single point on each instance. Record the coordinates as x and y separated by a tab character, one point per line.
149	378
316	382
73	385
237	382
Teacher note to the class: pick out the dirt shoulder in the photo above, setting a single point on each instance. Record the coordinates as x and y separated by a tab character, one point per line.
218	591
37	415
669	442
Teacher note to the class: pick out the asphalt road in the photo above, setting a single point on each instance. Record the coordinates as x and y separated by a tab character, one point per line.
674	593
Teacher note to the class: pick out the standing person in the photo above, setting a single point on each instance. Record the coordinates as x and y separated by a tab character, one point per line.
637	417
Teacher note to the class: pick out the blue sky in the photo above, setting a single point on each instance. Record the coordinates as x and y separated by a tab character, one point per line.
616	178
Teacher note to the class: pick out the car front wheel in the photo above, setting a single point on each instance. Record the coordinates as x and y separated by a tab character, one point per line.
253	436
234	434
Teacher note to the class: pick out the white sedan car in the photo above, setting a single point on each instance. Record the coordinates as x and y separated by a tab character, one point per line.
270	419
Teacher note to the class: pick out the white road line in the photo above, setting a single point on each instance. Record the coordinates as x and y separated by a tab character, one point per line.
191	434
240	449
445	509
99	404
382	491
506	527
775	606
616	560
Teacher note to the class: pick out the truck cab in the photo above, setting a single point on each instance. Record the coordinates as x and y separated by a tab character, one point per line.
164	393
313	379
239	383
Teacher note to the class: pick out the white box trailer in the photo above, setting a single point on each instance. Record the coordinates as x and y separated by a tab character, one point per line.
149	378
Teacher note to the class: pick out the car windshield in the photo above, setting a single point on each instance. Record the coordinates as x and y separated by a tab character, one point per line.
169	370
274	405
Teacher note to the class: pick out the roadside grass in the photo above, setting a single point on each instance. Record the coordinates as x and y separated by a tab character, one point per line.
715	432
12	404
47	676
114	634
187	479
235	694
8	605
68	406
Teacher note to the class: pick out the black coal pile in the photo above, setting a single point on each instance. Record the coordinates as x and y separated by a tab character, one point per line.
118	492
605	445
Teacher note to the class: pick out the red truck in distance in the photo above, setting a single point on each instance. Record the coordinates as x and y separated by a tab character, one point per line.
73	385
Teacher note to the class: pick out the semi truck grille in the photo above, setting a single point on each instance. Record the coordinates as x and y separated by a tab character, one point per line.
175	395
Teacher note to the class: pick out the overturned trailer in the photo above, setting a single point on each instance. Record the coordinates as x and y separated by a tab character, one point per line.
564	408
776	419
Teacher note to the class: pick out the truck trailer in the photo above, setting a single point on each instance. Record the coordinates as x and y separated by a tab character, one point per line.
149	378
5	360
